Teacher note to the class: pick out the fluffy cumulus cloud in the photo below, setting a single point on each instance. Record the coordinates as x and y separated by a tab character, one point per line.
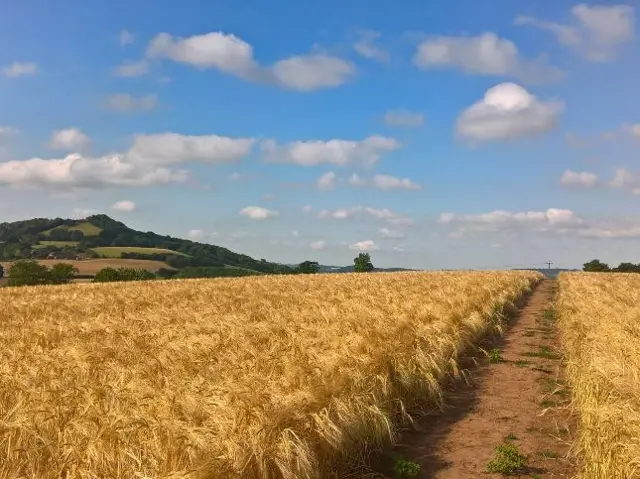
124	205
508	111
327	181
580	179
230	54
69	139
20	69
258	213
595	31
552	216
364	245
150	161
625	179
485	54
125	103
366	46
318	245
391	234
337	152
132	69
195	235
384	182
383	214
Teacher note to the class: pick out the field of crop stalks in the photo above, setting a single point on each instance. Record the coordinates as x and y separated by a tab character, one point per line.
261	377
600	325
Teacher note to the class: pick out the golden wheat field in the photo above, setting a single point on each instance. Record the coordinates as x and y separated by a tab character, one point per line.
600	325
261	377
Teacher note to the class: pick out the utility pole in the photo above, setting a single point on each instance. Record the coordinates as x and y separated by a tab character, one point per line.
549	263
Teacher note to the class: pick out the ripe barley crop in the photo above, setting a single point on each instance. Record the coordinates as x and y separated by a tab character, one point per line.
263	377
600	324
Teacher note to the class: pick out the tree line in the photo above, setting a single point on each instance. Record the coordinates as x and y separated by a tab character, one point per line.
31	273
597	266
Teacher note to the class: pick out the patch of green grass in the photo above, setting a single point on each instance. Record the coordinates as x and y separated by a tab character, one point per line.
521	363
494	356
405	469
563	431
547	454
117	251
507	460
549	315
85	227
543	352
57	244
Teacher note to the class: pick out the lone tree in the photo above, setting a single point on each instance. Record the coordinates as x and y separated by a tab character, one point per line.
362	263
308	267
62	273
28	273
595	266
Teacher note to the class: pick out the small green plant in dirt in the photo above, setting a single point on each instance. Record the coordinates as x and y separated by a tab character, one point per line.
547	454
549	315
405	469
507	460
543	352
521	363
511	437
494	356
529	333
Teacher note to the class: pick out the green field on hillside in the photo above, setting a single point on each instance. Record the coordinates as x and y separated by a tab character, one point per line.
117	251
85	227
58	244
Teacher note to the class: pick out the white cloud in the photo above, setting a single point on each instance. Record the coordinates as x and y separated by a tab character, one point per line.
312	72
508	111
364	245
82	172
390	234
383	214
144	164
82	213
624	179
318	245
295	233
403	118
132	69
610	233
258	213
366	46
19	69
125	38
595	32
195	235
384	182
501	221
338	152
232	55
235	176
485	54
327	181
173	148
69	139
124	205
307	208
125	103
583	179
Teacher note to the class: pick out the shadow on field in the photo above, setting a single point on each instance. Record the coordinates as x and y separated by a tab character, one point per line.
420	443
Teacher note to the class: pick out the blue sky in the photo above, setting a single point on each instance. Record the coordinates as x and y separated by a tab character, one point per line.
468	134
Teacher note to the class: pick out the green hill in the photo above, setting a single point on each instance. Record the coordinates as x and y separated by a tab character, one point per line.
102	236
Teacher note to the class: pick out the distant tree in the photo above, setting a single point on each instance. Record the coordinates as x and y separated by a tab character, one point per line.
106	275
627	268
308	267
166	273
28	273
362	263
1	271
62	273
595	266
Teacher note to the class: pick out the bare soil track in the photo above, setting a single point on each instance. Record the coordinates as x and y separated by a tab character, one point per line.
520	400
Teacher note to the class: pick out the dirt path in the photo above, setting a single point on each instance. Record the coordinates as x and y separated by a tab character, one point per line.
519	400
